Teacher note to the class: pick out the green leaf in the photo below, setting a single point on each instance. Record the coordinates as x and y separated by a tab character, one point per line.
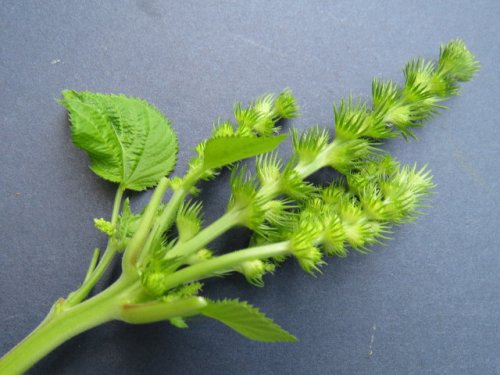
227	150
128	140
246	320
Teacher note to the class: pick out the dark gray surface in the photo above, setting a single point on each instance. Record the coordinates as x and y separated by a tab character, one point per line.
426	304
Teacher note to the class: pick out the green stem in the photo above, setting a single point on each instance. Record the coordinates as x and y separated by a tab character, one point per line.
92	278
164	222
116	205
225	262
93	263
159	310
169	213
83	291
136	243
62	326
321	161
208	234
269	190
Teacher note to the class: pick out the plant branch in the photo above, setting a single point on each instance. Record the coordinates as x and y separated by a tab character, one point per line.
205	236
136	244
94	272
225	262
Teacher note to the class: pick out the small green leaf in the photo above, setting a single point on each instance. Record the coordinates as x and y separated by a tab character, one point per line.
246	320
128	140
227	150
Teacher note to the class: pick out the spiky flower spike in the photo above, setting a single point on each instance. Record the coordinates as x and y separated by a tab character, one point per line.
165	250
355	212
286	211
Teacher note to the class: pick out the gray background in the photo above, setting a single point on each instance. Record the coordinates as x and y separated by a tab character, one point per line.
428	303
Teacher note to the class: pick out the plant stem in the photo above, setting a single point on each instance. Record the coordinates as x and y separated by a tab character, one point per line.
93	263
320	161
61	326
270	190
164	222
159	310
225	262
168	216
208	234
92	278
116	205
83	291
136	243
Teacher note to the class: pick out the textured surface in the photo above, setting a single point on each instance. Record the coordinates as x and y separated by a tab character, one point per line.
427	303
